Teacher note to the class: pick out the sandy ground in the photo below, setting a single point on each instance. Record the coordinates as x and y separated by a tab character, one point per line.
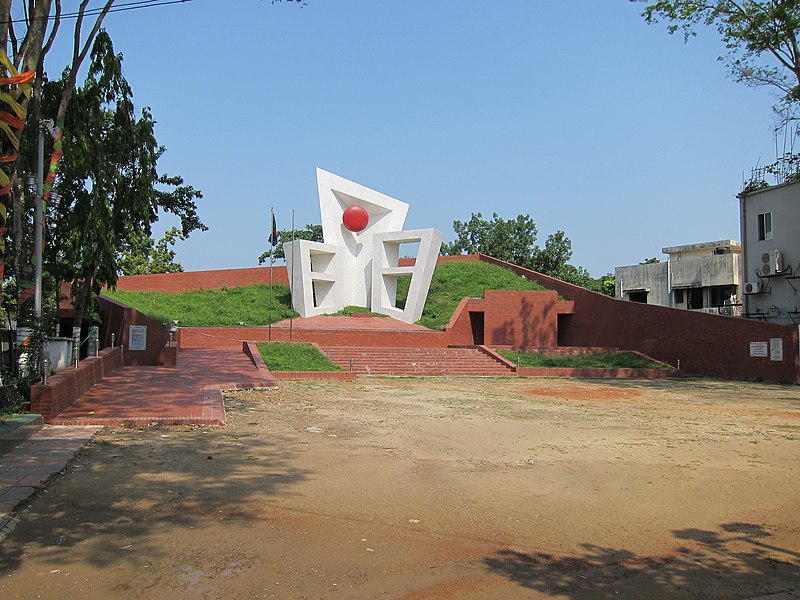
421	489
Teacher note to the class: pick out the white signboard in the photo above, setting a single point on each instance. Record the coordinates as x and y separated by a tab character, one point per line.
776	349
137	337
760	349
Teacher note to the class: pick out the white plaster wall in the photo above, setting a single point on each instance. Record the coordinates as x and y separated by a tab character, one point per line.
780	296
652	277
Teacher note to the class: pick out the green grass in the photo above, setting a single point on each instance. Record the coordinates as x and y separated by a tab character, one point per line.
618	360
227	307
453	281
288	356
348	310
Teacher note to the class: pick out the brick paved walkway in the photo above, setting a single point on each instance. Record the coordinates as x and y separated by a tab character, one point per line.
187	393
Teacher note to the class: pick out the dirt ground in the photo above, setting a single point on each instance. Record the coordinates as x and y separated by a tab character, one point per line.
421	489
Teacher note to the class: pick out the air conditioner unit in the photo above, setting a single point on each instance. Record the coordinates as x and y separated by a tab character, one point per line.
752	287
771	263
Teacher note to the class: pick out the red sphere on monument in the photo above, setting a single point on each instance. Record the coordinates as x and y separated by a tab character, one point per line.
355	218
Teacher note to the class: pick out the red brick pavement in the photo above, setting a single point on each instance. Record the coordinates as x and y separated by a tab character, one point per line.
187	393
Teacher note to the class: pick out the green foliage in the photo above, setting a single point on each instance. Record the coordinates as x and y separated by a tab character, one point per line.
606	285
786	169
751	30
513	241
109	186
288	356
455	280
617	360
212	308
348	310
554	256
309	232
143	255
650	261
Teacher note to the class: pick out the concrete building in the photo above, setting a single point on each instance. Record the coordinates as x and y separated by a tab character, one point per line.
702	276
770	230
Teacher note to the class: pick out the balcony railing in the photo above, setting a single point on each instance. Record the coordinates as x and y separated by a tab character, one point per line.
728	310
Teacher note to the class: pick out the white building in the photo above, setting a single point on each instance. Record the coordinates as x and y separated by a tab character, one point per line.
770	230
702	276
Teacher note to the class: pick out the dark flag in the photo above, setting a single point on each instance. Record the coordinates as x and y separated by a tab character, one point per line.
273	237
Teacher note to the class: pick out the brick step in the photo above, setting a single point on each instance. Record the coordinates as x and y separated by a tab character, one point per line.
416	361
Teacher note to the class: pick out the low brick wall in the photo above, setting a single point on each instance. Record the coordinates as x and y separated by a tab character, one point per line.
64	388
597	373
251	350
703	344
234	337
169	355
314	375
564	350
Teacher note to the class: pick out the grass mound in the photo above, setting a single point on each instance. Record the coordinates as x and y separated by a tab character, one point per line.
226	307
230	307
292	356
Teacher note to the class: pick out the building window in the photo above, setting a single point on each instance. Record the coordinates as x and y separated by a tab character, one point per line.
694	298
764	226
678	296
638	297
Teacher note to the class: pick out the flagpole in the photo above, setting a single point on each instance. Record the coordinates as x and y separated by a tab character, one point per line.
271	246
292	275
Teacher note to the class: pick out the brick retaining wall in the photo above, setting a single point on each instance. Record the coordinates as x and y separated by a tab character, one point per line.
65	387
704	344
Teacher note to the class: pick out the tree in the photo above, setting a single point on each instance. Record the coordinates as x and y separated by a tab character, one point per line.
514	241
309	232
510	240
29	45
108	205
761	37
650	261
554	256
143	255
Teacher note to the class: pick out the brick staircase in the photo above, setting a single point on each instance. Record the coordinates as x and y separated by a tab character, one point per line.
416	361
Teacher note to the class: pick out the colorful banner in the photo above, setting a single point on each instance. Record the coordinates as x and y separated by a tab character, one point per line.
55	157
15	90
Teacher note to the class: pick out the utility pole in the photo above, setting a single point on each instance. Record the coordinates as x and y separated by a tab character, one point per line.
38	227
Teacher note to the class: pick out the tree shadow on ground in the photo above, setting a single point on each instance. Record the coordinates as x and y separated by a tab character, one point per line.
735	562
130	484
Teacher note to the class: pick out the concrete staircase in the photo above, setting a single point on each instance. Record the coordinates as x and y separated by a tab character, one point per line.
416	361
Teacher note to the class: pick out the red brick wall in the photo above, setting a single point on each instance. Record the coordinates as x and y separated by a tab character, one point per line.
522	319
233	337
502	325
214	280
202	280
116	319
705	344
65	387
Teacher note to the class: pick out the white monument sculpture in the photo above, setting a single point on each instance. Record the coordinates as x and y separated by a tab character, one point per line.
357	264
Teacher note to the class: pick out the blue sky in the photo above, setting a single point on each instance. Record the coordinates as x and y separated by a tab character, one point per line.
573	111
